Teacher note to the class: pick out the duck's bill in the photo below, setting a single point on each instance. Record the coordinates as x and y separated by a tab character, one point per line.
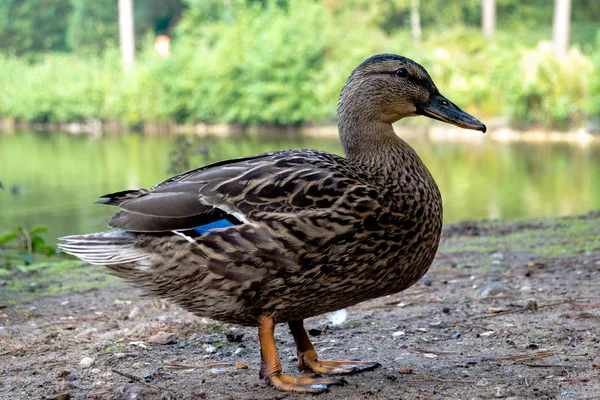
444	110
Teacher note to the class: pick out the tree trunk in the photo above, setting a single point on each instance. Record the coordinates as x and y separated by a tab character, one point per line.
488	17
126	35
561	29
415	20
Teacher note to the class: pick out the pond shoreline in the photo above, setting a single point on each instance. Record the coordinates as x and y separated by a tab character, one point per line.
498	130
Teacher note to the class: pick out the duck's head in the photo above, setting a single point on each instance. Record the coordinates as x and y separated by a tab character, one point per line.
387	87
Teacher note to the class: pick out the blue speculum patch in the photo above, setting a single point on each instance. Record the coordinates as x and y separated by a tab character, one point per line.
222	223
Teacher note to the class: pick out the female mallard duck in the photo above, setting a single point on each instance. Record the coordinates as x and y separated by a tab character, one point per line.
283	236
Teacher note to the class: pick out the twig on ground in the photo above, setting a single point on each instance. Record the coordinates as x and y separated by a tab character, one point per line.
21	348
140	380
526	356
519	310
183	366
441	352
391	304
530	356
549	366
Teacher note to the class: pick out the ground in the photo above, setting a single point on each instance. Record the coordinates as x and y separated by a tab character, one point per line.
508	310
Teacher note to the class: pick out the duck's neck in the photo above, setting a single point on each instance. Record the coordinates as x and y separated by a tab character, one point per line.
374	145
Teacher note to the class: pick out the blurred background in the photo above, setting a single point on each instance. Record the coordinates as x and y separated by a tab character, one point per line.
102	96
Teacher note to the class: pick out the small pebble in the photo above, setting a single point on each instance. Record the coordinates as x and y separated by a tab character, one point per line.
209	348
240	350
218	371
62	396
63	373
161	338
494	289
338	317
134	313
240	365
86	362
531	304
405	370
456	335
71	377
398	333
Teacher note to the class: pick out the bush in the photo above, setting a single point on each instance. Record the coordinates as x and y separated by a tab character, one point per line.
547	91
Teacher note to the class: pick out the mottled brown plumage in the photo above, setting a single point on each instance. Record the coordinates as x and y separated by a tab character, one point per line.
312	232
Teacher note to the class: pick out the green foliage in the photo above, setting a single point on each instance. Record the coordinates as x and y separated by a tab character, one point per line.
93	25
594	103
29	27
20	245
33	25
284	62
547	91
58	88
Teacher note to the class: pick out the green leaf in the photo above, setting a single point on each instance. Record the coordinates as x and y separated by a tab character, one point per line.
37	243
8	237
38	229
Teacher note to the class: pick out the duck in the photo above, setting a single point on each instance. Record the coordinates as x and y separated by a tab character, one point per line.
287	235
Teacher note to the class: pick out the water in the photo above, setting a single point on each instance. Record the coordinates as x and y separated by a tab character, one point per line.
59	176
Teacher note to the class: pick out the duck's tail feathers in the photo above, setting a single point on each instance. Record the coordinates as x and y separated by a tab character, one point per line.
104	248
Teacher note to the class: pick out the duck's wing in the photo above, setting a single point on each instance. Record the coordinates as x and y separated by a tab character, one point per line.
286	183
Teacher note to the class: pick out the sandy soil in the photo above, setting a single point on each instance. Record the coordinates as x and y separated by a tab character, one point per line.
509	310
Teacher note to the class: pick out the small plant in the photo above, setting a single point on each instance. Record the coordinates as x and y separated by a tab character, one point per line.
21	245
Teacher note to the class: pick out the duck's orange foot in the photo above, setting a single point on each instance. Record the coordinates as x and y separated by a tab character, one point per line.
308	362
303	384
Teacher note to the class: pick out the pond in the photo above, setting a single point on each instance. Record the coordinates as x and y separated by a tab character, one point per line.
54	178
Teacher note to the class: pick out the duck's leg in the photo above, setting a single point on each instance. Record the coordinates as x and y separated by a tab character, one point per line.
270	367
308	360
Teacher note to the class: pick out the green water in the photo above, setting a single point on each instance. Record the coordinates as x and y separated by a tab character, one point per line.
59	176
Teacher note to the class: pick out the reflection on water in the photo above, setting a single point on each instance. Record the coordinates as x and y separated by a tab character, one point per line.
60	176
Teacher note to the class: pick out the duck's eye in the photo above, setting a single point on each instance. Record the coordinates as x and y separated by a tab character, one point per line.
401	72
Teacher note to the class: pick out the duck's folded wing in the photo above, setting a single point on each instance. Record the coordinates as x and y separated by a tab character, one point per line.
289	183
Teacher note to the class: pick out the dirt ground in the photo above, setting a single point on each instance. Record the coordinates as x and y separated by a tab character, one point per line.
509	310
